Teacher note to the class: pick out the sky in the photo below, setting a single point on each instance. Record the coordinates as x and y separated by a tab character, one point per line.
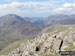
37	8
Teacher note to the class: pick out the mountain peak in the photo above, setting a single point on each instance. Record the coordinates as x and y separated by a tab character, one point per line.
11	15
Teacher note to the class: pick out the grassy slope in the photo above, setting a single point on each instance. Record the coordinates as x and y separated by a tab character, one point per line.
11	47
17	43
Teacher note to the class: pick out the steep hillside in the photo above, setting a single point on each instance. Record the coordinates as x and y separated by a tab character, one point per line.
14	28
60	19
52	19
59	27
49	44
69	21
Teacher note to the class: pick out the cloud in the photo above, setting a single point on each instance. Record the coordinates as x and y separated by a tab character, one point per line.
27	5
67	8
69	5
26	8
36	8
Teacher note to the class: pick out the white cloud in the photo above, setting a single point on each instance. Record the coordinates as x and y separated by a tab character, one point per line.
36	8
67	8
26	8
69	5
27	5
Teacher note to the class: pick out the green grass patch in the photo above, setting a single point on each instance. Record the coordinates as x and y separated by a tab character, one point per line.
11	47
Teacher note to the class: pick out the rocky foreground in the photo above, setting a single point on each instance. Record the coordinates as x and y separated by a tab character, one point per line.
48	44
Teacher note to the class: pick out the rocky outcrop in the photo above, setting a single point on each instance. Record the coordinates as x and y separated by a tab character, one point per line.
48	43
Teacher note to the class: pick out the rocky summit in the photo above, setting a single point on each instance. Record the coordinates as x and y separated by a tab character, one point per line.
49	44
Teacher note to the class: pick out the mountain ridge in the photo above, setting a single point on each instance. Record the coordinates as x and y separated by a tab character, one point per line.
14	28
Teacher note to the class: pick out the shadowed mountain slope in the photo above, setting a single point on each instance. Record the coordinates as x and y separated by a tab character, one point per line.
14	28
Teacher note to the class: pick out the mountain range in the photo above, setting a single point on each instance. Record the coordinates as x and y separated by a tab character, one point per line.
15	28
53	19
